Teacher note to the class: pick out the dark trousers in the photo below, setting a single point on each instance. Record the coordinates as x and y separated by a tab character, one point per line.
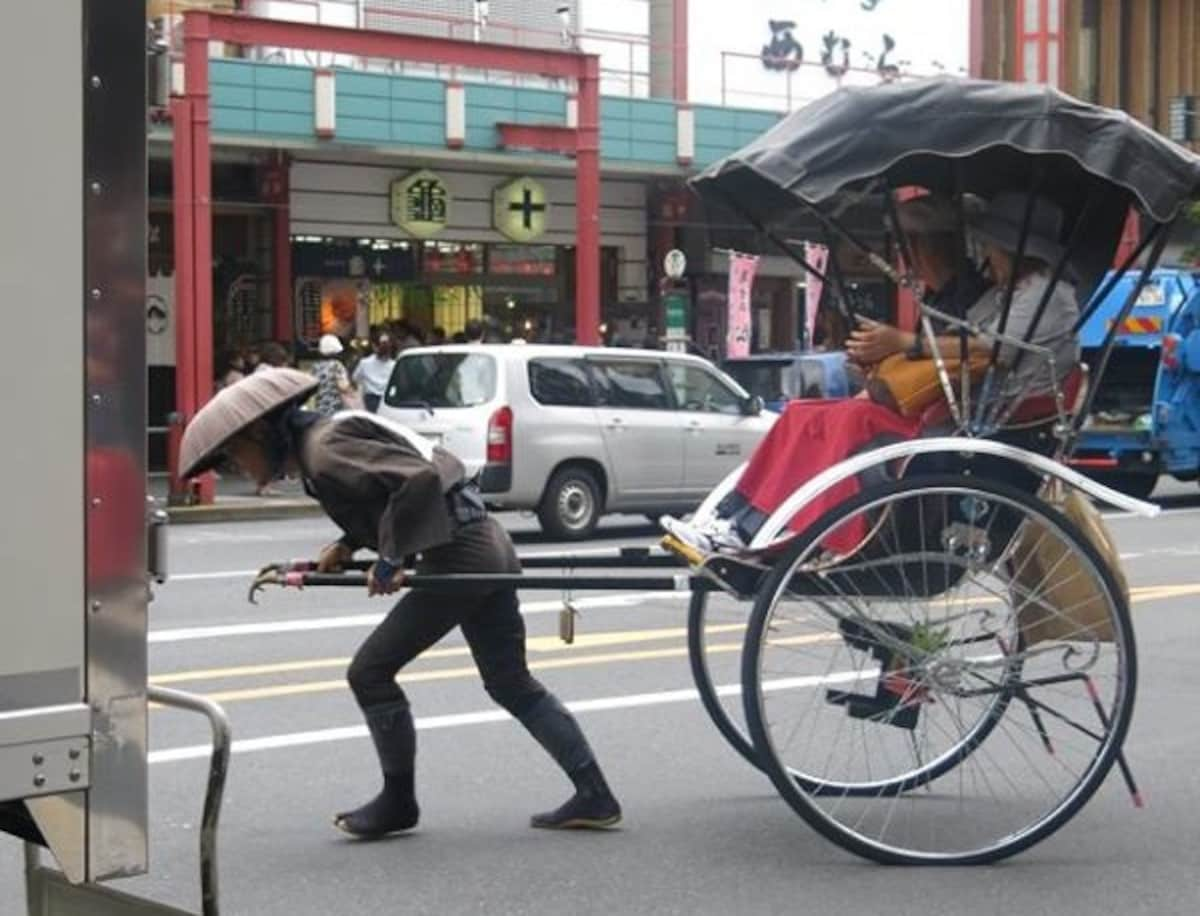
495	632
371	402
492	625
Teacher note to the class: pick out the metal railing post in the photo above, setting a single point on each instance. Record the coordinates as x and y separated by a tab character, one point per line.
222	735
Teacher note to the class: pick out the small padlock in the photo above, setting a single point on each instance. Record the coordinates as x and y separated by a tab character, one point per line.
566	622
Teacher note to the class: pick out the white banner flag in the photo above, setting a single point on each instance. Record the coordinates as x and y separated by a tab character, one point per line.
742	268
818	257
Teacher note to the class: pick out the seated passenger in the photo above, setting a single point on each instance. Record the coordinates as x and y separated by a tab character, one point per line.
811	436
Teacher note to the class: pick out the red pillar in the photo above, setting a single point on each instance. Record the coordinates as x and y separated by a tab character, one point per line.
975	67
280	197
185	371
587	207
196	38
679	49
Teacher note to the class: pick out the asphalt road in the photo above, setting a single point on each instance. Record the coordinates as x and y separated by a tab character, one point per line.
704	833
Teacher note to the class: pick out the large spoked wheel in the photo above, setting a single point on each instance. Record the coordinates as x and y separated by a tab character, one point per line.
955	690
717	624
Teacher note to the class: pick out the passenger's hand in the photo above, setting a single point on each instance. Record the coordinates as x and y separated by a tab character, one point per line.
873	341
391	582
333	557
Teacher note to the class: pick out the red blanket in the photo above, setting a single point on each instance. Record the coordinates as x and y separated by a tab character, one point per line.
809	437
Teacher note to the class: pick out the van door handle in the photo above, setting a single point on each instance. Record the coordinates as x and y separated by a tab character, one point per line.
694	426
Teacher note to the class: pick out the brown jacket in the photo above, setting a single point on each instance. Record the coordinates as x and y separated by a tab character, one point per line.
384	490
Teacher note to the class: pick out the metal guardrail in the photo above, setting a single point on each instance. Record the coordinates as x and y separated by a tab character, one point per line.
48	893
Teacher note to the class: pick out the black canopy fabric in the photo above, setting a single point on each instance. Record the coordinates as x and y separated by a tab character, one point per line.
952	135
912	133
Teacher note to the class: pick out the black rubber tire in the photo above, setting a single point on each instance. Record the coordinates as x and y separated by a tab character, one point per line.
569	484
792	789
1131	483
739	739
729	729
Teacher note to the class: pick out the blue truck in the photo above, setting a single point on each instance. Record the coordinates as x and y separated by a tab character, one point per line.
1145	419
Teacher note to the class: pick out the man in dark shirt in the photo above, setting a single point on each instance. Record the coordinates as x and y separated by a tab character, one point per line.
392	492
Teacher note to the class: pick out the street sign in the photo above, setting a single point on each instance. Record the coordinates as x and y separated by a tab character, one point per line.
675	263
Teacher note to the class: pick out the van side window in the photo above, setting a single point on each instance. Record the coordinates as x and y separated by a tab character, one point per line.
702	392
630	383
560	382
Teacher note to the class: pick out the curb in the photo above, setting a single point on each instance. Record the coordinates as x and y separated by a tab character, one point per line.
225	512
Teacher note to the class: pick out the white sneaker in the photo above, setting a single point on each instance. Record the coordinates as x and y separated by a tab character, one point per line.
724	536
686	533
718	535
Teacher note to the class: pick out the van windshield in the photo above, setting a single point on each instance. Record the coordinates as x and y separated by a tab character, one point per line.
442	380
766	378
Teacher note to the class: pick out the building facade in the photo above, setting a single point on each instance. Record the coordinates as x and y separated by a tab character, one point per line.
344	186
1142	56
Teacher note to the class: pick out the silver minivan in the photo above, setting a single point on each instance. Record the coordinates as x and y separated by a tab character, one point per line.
573	432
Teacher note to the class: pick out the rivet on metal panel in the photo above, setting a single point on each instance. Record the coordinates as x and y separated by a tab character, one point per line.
95	81
95	501
39	780
73	753
38	760
96	187
96	399
74	776
96	605
96	292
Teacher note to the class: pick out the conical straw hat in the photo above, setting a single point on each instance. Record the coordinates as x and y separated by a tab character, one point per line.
233	409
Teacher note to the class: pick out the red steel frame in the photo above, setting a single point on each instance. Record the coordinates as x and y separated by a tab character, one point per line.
192	161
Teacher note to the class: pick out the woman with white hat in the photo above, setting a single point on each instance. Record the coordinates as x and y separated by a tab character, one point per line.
393	492
334	389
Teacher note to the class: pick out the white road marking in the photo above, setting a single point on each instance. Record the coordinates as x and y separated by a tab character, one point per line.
489	716
351	621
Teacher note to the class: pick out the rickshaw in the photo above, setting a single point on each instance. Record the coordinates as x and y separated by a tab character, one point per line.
958	684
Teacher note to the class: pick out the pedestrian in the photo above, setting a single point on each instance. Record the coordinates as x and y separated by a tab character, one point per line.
474	331
373	372
437	336
272	355
334	391
391	491
231	368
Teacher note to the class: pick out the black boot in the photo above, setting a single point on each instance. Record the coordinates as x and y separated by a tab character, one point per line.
593	804
592	807
395	808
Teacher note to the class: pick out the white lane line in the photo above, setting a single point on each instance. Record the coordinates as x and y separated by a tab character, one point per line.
351	621
241	573
489	716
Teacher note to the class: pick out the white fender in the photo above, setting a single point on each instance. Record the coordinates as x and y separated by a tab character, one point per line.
889	453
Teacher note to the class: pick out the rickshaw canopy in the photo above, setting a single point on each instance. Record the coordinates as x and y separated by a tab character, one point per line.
958	135
911	132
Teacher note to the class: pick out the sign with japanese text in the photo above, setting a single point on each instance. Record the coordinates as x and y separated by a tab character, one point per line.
742	268
519	210
420	204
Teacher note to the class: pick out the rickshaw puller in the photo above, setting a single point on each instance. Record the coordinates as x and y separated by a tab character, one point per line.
392	492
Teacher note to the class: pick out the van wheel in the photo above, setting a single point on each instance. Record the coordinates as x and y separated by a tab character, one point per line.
570	506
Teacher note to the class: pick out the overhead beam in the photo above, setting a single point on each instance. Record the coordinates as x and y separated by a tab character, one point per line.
252	30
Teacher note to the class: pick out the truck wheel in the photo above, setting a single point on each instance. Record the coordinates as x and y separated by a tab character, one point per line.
571	505
1131	483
